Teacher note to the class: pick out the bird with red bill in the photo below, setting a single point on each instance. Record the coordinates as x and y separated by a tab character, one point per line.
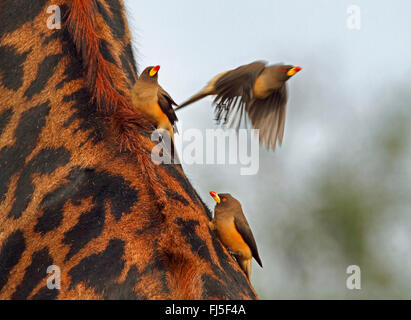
233	230
257	90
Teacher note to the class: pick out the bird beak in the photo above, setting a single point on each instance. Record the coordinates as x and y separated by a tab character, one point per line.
215	196
293	71
154	71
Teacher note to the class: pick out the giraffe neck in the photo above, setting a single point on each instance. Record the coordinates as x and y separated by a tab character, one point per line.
78	189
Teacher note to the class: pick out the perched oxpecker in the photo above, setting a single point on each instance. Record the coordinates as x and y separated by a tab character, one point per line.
233	230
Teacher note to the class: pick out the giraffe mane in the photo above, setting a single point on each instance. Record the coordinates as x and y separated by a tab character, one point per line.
100	77
128	124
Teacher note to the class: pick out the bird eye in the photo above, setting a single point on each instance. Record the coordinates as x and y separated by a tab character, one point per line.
146	72
224	199
284	70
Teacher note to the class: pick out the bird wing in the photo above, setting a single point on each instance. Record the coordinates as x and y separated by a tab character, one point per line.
234	92
244	229
166	104
268	115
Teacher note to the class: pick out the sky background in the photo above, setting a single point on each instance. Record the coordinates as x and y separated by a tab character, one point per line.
336	192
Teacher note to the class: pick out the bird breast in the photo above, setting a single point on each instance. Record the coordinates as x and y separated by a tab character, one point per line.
145	98
265	84
143	94
231	238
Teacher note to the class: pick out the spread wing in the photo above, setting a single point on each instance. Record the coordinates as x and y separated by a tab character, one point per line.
244	229
166	104
268	115
234	91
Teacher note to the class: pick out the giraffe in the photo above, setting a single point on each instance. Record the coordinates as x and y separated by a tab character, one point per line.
78	191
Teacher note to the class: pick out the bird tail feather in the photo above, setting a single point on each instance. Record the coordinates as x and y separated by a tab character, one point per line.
193	99
245	264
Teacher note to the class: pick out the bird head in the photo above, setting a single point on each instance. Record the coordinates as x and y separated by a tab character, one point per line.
285	72
224	199
150	73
